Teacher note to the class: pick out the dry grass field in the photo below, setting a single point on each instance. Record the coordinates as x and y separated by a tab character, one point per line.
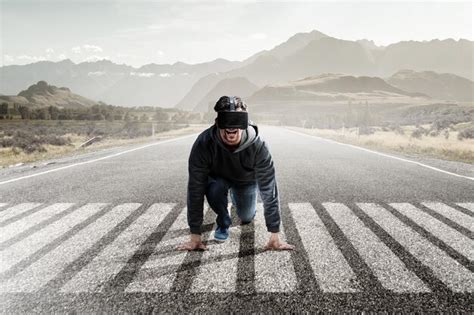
10	156
445	146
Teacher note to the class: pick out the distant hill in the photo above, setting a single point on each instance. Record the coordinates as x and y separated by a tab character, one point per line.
289	47
333	88
443	86
42	94
231	86
198	91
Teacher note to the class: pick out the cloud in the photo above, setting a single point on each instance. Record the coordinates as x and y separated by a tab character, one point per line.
76	50
92	48
258	36
142	74
94	58
160	53
96	73
86	48
166	75
62	57
8	58
49	51
30	58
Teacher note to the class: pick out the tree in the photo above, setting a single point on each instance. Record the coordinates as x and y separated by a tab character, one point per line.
161	116
4	109
53	112
24	112
144	117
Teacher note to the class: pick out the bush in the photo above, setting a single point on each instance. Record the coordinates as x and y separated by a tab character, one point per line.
467	133
419	132
363	130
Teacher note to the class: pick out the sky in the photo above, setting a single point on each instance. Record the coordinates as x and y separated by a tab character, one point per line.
164	32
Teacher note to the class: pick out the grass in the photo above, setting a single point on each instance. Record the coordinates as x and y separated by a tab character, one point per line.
10	156
451	149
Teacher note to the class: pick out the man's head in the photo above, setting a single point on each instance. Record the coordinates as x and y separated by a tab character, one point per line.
232	119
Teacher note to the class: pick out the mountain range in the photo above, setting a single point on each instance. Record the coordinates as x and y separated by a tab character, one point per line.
438	68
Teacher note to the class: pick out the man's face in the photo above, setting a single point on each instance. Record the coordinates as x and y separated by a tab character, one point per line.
231	136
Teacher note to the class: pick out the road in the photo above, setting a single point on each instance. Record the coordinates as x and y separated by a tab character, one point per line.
97	233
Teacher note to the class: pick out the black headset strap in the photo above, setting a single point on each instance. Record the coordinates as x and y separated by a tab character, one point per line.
232	103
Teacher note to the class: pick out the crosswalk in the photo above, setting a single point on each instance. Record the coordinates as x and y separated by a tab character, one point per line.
347	248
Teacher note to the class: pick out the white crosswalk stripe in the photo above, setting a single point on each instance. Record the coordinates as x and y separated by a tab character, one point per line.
451	237
218	267
468	205
274	271
159	271
217	273
452	214
42	271
38	217
332	271
17	210
454	275
114	257
387	267
29	245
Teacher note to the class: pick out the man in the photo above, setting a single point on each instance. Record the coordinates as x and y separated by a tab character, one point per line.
231	155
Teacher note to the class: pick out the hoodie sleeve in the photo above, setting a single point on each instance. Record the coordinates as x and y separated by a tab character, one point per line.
265	173
198	169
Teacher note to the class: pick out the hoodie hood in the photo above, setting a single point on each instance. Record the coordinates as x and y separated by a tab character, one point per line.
249	136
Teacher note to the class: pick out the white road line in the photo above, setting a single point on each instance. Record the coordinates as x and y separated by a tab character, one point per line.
45	269
38	217
115	256
29	245
216	273
330	268
94	160
387	267
274	271
469	206
449	271
159	271
383	154
459	242
452	214
16	210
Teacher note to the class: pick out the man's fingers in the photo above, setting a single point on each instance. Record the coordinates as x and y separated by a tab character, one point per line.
285	246
182	247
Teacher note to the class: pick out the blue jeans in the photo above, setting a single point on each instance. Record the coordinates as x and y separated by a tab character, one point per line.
244	198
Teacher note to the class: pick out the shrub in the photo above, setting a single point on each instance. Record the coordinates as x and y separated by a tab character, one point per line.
467	133
363	130
419	132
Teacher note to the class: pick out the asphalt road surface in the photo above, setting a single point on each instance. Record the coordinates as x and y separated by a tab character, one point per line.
97	233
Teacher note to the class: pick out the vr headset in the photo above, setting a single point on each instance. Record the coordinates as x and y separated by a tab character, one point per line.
232	120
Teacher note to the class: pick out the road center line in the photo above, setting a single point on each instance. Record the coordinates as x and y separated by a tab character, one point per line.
382	154
95	160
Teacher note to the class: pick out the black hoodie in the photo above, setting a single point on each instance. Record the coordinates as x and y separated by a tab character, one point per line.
251	161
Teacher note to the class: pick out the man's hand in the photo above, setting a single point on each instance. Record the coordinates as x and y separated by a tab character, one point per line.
275	244
194	243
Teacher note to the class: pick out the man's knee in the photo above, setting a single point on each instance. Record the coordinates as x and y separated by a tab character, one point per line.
247	215
217	188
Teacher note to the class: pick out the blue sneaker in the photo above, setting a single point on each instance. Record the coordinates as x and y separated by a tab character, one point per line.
221	234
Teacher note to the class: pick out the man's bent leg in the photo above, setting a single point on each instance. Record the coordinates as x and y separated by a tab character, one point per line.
216	194
245	199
